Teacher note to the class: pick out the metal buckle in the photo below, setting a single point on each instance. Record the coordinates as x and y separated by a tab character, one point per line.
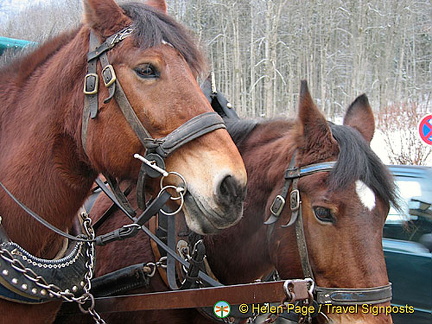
277	205
108	75
292	173
295	199
91	84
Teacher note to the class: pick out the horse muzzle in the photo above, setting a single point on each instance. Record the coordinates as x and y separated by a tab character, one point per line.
222	210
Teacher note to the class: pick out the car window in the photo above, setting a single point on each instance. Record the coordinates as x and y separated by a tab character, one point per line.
408	188
414	221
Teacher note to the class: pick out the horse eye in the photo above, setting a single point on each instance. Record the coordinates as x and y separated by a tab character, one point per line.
324	214
147	71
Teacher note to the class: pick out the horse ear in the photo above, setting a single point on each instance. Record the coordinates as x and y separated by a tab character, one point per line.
360	116
158	4
104	16
316	133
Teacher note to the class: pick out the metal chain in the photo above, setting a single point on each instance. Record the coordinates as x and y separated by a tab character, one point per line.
87	296
55	291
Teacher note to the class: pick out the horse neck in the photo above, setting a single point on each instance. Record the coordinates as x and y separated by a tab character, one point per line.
40	161
242	253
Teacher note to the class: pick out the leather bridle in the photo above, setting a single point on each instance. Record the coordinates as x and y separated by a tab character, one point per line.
157	149
323	295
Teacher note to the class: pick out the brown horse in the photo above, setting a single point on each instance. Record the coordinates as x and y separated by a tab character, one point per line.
53	145
343	212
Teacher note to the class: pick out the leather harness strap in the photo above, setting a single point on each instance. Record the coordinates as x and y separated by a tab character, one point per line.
25	278
280	200
302	247
131	117
157	149
292	176
253	293
171	242
354	296
91	88
40	219
121	281
117	196
334	296
202	276
190	130
91	80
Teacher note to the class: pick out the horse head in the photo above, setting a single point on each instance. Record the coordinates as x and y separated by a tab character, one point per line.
157	67
344	193
316	204
120	85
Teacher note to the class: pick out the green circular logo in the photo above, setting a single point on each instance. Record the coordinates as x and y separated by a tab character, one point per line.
221	309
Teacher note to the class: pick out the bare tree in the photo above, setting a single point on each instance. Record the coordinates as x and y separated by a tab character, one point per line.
399	123
261	49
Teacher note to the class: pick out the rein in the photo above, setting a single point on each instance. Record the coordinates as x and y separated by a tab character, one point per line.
37	288
323	295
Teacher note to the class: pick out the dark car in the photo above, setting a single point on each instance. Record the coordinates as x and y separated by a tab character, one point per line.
408	243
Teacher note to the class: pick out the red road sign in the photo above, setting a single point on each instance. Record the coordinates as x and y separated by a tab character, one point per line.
425	129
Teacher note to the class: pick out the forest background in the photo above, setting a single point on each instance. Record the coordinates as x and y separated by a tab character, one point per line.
259	51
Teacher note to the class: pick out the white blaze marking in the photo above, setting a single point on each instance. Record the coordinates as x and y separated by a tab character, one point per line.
366	195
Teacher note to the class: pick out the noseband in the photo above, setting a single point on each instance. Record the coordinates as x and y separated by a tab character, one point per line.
157	149
323	295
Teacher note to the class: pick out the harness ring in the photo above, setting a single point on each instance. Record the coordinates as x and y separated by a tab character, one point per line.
181	197
181	190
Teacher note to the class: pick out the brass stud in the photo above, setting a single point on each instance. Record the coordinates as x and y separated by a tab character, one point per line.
43	292
34	291
24	286
5	272
74	288
14	281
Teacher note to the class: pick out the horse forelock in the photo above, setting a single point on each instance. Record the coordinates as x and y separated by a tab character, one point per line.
357	161
152	27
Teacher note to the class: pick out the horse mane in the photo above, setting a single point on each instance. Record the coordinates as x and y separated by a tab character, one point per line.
357	161
152	27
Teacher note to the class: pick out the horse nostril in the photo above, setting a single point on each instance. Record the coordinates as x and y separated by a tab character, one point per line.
230	191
